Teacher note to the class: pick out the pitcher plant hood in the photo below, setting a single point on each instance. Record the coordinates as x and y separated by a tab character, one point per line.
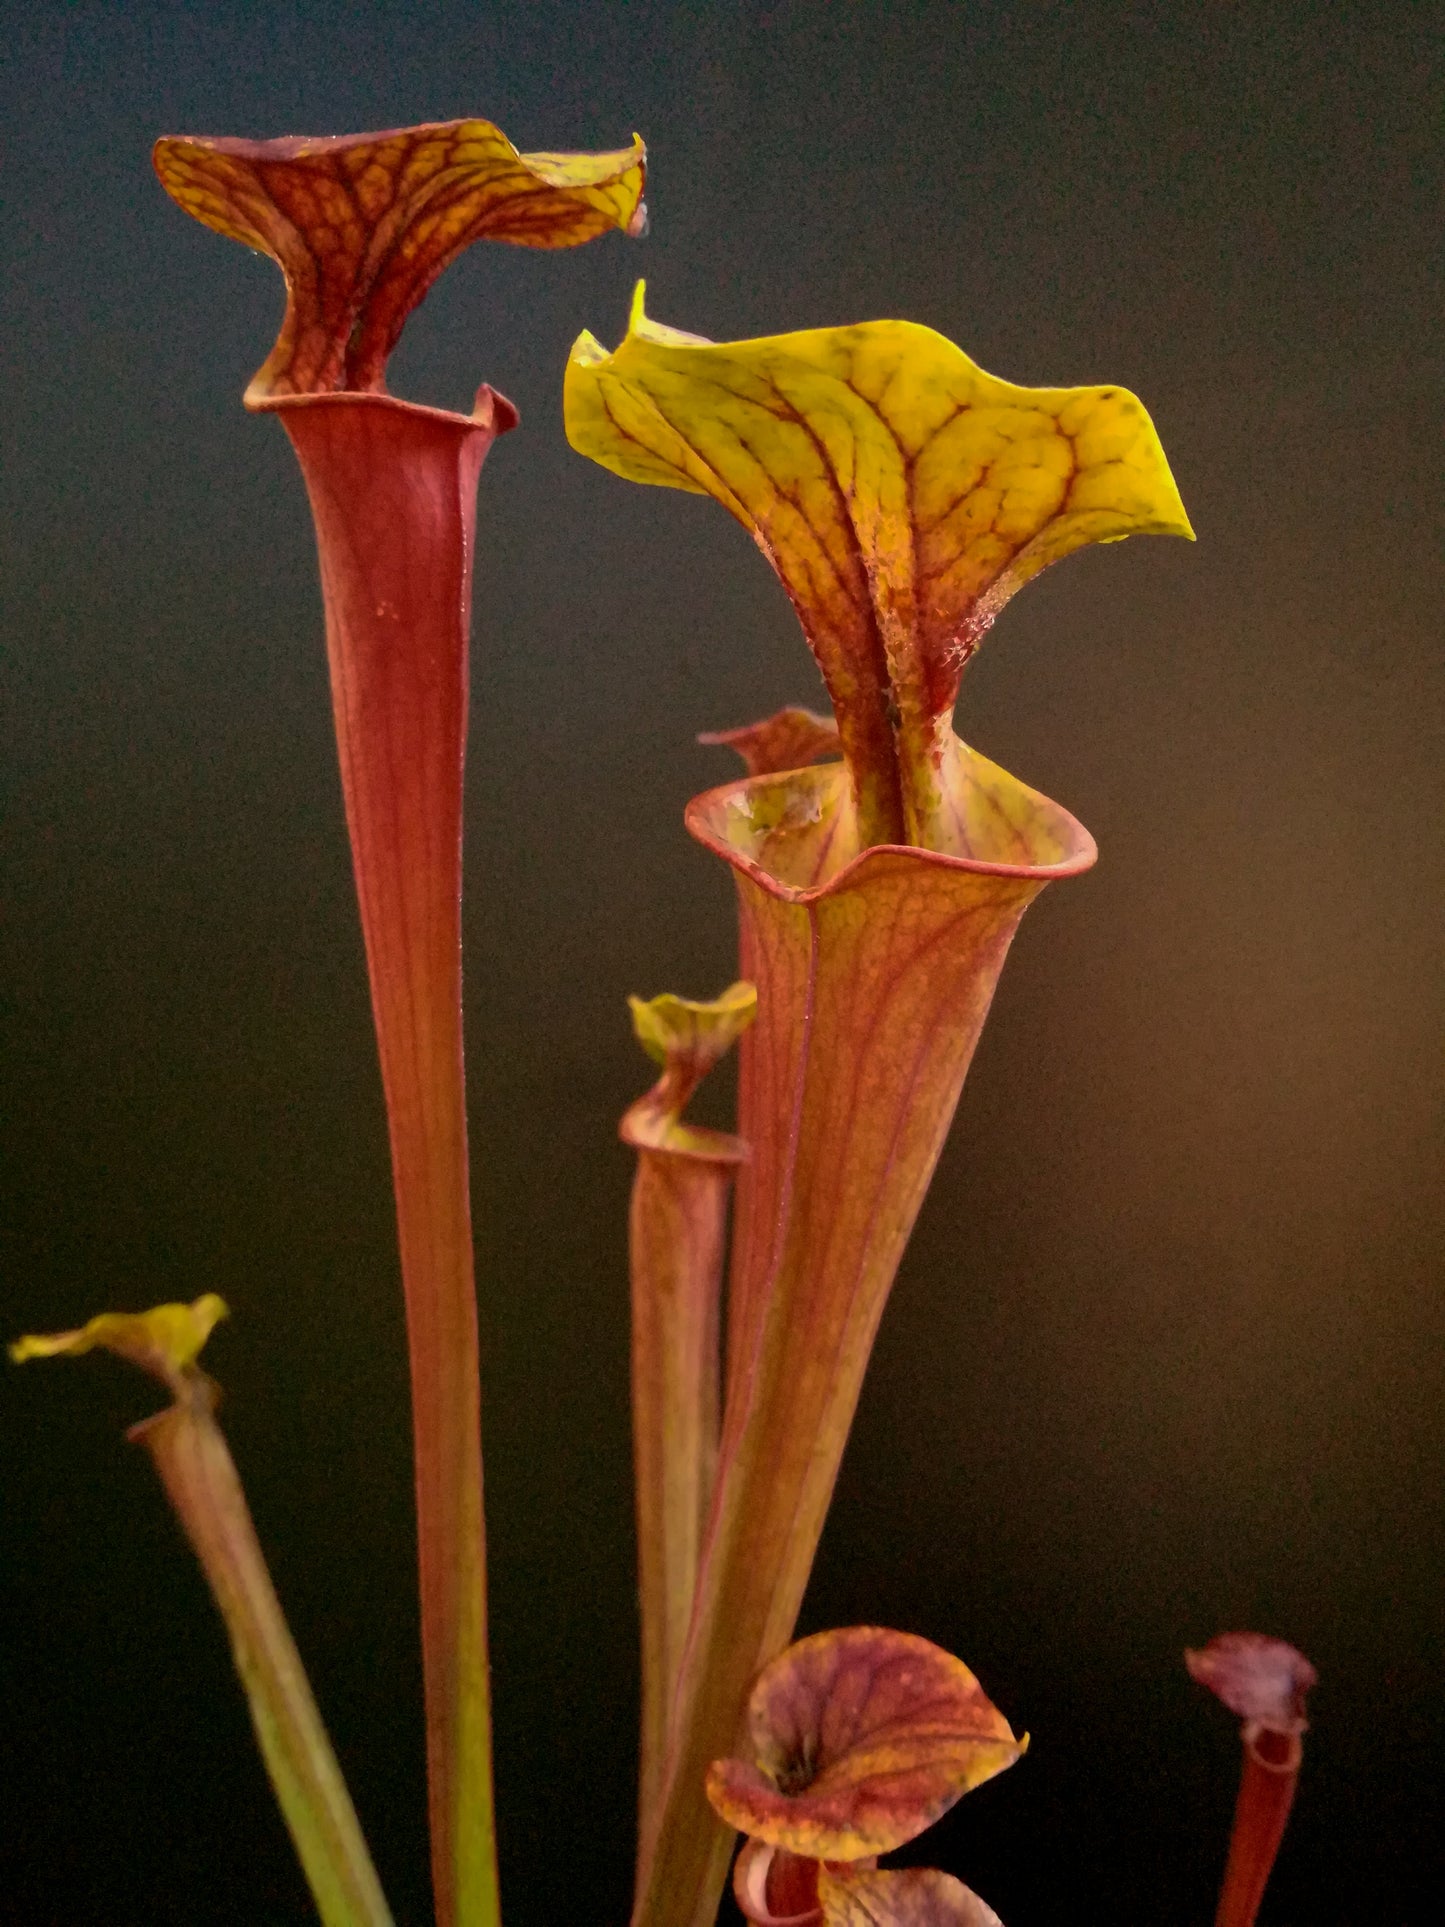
860	1739
901	493
361	225
165	1341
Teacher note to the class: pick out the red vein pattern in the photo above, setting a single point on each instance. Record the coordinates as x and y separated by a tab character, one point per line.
789	739
875	971
393	494
901	493
915	1897
362	224
860	1739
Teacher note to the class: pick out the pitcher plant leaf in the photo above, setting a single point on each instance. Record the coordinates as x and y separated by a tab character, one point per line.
686	1038
913	1897
789	739
861	1738
677	1232
361	225
194	1463
901	493
875	970
1263	1680
165	1341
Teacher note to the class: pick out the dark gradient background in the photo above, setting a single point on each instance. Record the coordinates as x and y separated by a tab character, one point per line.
1165	1355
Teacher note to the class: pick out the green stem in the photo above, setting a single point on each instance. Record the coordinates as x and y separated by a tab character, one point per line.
201	1481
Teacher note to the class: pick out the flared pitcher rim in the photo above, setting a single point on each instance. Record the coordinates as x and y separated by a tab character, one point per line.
694	817
500	416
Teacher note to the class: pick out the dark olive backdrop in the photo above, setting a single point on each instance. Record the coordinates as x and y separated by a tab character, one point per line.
1165	1355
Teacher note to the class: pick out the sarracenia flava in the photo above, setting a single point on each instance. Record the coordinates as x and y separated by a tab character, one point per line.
361	226
902	495
881	867
189	1451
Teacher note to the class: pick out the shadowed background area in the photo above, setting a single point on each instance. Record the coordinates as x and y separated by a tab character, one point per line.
1165	1355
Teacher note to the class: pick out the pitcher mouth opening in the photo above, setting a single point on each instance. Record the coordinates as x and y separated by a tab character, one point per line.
795	832
490	411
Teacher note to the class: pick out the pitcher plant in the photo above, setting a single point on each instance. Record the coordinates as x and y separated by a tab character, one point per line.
881	867
902	495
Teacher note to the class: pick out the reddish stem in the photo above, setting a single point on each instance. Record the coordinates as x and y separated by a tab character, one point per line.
1266	1794
393	493
677	1235
775	1888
